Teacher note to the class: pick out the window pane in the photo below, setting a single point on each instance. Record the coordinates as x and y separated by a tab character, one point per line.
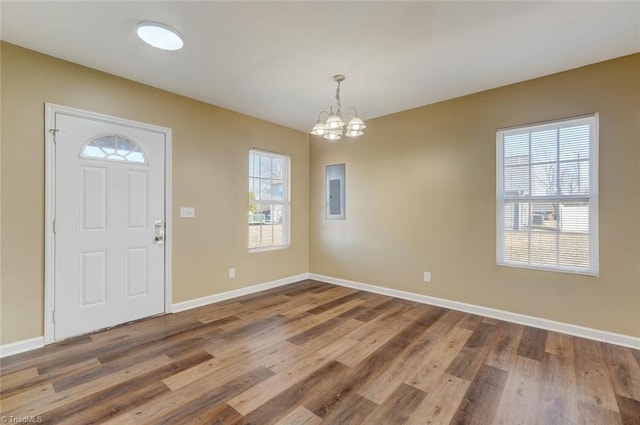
93	152
574	217
254	235
544	248
543	215
544	145
258	214
574	250
277	190
516	246
574	142
516	215
106	142
265	213
254	189
516	181
574	178
125	146
574	236
278	213
267	235
516	149
135	157
265	166
544	180
254	168
277	168
265	189
278	236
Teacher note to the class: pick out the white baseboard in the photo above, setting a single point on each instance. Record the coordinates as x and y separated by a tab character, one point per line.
566	328
21	346
37	342
536	322
210	299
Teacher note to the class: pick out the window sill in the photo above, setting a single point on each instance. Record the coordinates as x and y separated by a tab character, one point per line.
268	248
582	272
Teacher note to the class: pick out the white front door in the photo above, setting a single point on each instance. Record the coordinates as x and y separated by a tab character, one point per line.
109	224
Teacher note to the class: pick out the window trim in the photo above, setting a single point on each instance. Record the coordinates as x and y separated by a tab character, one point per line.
593	196
286	202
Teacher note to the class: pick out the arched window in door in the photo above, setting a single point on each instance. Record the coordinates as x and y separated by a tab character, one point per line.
113	147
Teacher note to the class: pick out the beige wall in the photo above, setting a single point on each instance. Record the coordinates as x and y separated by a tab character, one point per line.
210	156
411	181
421	187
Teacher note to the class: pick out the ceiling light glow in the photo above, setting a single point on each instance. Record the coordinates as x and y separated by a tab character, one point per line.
159	35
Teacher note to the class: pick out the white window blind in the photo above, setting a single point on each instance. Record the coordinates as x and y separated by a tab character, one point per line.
268	200
547	181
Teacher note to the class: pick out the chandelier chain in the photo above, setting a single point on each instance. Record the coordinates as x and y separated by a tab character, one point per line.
338	98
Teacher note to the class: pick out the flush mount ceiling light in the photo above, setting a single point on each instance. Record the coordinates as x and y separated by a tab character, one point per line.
159	35
333	127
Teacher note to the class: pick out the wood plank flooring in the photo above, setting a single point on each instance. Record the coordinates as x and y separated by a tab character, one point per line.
312	353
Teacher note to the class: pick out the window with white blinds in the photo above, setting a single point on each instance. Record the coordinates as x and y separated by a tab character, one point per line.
547	182
269	207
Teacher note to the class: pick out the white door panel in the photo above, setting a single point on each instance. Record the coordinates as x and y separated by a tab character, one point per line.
108	268
136	210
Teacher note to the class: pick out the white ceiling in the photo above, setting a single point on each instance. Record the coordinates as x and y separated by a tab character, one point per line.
275	60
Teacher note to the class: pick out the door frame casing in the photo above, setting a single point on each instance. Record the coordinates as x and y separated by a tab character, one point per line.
50	204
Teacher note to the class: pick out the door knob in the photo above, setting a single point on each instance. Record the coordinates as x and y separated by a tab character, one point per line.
159	232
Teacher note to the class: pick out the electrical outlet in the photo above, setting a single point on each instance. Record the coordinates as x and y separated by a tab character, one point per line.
427	277
232	273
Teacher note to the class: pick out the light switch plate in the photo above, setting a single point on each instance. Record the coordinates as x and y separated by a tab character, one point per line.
187	212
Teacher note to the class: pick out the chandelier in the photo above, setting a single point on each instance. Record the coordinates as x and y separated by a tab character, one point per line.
333	127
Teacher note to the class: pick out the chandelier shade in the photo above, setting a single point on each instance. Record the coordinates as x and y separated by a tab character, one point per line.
334	122
334	127
356	124
333	135
354	133
319	129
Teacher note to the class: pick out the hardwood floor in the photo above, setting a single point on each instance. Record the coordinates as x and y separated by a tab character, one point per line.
312	353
